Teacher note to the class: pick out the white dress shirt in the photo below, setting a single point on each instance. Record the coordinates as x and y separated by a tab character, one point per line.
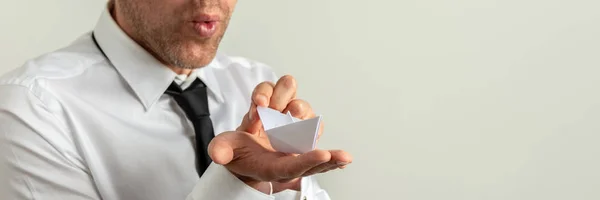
75	124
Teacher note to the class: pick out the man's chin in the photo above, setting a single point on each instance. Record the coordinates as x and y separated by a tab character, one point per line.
193	55
200	62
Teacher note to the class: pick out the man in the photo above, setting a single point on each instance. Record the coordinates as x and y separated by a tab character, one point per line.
131	110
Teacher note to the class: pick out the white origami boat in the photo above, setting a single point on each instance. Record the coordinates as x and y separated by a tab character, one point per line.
289	134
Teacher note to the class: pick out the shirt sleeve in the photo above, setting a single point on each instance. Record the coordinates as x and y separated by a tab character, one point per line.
34	151
220	184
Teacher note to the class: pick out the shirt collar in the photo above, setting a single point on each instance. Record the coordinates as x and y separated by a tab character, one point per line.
145	75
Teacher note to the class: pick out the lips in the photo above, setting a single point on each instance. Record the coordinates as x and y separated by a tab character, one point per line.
206	25
206	29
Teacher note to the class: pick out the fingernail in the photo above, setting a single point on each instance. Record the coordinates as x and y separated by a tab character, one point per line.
342	163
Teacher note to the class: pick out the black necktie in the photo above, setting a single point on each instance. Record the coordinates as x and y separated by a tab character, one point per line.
194	103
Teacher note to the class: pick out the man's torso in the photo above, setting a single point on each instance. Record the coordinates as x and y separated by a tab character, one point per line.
130	150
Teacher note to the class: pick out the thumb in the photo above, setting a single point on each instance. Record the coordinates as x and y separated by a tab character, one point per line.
295	166
251	122
221	148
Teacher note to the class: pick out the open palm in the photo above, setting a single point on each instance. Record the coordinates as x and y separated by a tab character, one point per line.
248	154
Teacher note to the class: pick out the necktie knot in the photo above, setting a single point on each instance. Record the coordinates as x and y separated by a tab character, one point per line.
175	89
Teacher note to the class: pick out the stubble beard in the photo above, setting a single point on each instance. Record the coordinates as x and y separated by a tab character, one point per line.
163	42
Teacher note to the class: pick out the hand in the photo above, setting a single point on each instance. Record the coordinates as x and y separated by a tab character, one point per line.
248	154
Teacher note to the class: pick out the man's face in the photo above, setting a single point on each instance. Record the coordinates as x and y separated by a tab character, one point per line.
180	33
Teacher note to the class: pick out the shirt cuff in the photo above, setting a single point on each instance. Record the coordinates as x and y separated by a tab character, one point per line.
311	190
218	183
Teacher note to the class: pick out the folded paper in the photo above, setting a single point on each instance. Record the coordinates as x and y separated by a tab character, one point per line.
289	134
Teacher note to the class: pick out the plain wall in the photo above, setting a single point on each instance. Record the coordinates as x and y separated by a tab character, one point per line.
453	100
29	28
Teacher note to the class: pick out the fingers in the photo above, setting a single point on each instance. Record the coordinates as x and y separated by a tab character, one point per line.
294	166
248	156
220	151
302	110
221	148
299	109
339	159
260	96
268	94
321	168
250	121
276	96
262	93
283	93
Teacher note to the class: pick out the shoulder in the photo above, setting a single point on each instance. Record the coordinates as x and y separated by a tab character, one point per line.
35	77
66	62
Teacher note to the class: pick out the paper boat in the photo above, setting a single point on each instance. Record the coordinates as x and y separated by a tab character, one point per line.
289	134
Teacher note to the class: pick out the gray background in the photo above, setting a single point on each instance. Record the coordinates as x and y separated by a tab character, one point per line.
454	100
